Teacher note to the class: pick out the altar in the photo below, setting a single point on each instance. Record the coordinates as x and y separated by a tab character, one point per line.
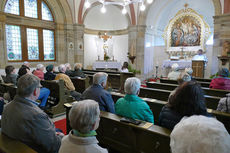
182	64
107	65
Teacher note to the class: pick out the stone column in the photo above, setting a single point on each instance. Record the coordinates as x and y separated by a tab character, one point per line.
79	43
3	58
138	35
70	43
61	49
221	34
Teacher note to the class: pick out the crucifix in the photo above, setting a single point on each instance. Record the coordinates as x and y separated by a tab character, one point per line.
182	52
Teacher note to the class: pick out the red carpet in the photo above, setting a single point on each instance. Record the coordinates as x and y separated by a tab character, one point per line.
61	124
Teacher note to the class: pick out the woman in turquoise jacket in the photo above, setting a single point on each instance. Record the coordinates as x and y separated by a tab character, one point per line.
131	105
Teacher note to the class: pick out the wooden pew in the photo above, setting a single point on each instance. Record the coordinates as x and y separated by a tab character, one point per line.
156	106
8	87
203	84
58	96
128	138
203	80
211	101
80	84
8	145
207	91
115	79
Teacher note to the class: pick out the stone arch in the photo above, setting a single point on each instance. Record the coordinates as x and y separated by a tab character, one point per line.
60	10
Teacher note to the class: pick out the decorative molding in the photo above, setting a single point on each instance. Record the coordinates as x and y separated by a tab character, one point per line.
109	32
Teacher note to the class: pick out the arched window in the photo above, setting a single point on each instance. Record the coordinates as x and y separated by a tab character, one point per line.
30	40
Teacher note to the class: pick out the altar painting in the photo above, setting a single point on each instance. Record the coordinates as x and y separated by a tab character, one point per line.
186	31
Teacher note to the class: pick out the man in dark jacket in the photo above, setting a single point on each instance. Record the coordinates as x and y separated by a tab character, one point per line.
77	71
99	94
24	121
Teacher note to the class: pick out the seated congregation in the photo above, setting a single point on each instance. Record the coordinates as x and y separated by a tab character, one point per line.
24	120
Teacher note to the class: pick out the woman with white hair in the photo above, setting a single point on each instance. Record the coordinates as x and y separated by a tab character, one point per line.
174	75
131	105
39	71
199	134
84	119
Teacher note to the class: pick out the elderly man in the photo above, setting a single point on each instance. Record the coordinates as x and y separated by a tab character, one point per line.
68	69
199	134
77	71
84	119
200	57
99	94
131	105
68	83
23	120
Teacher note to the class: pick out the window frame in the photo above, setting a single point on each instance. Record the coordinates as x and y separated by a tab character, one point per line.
29	24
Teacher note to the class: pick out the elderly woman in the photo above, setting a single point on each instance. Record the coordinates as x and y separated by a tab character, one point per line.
84	119
49	75
188	100
77	71
175	72
131	105
222	81
199	134
39	71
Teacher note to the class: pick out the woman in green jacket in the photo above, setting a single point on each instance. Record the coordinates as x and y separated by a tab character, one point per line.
131	105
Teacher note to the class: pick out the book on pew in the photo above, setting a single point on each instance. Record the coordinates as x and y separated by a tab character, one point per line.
129	120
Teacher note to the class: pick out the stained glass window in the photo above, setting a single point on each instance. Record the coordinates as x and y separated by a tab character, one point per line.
12	6
46	14
48	43
30	7
32	44
13	42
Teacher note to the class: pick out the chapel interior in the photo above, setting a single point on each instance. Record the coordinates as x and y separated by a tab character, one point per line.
88	31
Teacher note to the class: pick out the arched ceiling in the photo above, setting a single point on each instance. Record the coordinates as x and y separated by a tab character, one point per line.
113	19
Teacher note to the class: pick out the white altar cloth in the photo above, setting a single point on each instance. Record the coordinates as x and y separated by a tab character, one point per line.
182	63
107	65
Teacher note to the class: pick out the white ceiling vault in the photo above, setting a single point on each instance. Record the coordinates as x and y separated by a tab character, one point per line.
157	14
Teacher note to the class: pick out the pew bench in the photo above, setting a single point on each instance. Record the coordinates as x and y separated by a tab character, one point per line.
157	105
115	79
80	84
58	96
207	91
129	138
211	101
203	84
8	145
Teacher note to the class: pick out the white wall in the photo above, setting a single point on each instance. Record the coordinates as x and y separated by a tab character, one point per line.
120	49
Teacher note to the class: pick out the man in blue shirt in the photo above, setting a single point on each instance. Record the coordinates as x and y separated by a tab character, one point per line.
99	94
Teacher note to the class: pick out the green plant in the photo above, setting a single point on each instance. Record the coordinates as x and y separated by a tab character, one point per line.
106	58
133	70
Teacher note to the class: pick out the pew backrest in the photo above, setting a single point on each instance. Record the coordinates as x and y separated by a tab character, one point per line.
207	91
8	145
157	105
80	84
129	138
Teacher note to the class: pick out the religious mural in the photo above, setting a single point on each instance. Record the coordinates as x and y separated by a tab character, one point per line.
186	31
